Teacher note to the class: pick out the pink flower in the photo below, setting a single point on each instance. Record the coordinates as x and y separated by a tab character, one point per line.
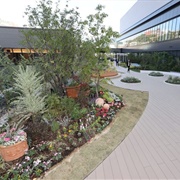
3	134
7	139
16	138
105	114
22	133
13	129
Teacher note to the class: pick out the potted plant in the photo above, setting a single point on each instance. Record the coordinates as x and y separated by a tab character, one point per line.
72	88
13	143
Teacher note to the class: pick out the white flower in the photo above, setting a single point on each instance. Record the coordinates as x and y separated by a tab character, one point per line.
36	162
27	158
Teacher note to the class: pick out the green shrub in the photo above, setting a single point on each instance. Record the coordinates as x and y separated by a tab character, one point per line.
173	80
130	80
108	97
60	107
78	113
156	74
136	69
6	72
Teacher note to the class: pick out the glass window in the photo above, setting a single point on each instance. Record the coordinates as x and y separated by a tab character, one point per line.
146	35
152	34
177	33
163	31
158	31
166	29
133	40
174	24
169	30
155	33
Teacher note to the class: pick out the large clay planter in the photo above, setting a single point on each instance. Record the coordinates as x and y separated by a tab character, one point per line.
13	152
73	91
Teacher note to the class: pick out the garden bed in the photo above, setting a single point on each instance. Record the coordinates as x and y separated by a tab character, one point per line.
49	144
85	159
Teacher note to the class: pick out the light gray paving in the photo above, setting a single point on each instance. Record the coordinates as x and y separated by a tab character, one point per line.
152	149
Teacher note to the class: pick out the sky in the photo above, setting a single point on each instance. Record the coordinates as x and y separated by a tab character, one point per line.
13	10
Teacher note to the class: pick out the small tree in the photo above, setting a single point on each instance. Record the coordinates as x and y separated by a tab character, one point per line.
60	40
100	37
56	36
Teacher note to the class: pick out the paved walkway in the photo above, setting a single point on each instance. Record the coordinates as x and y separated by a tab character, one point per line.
152	149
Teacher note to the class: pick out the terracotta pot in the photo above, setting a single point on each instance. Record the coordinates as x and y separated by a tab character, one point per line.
13	152
73	91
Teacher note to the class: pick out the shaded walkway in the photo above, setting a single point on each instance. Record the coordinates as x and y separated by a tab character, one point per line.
152	149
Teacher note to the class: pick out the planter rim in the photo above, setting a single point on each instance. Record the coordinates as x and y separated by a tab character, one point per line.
3	146
69	87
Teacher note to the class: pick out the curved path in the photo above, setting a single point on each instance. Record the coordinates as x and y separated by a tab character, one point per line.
152	149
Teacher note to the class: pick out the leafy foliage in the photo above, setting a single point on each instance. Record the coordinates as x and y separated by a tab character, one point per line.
159	61
6	71
72	46
101	37
60	35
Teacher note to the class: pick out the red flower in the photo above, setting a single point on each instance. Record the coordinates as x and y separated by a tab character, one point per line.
105	114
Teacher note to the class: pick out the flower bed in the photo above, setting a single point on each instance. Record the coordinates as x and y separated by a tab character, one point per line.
50	146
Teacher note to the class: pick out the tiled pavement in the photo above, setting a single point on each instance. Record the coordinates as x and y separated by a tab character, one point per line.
152	149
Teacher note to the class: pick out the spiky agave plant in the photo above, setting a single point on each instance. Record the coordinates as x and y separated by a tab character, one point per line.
29	86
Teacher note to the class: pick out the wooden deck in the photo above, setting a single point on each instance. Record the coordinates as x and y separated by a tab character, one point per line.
152	149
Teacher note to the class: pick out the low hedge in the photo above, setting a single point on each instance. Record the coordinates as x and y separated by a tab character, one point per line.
173	80
156	74
130	80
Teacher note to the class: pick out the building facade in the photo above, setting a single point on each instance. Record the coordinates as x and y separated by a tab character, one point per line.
11	42
151	26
